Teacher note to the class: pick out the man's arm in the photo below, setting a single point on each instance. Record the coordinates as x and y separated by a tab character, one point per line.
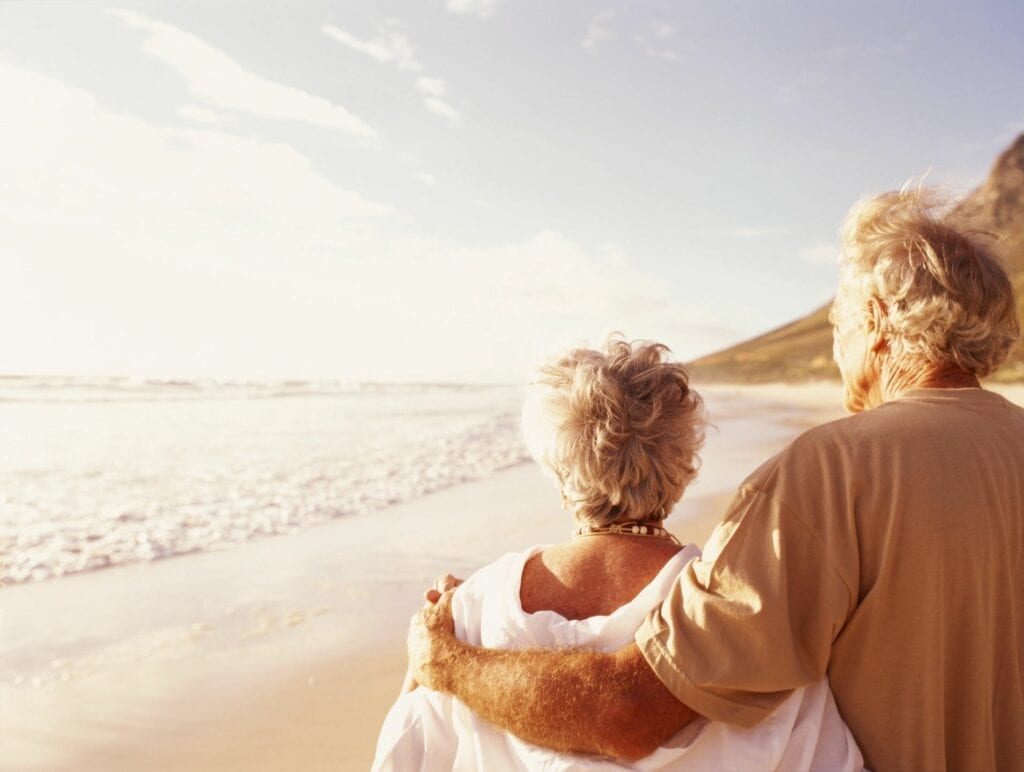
569	700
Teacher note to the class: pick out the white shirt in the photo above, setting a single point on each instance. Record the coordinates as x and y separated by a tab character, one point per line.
429	731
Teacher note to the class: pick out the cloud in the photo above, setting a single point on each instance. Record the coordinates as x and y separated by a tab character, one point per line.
905	43
506	307
217	78
747	232
431	86
426	179
598	31
393	48
846	51
135	248
758	233
482	8
389	47
118	231
837	53
199	114
663	31
445	110
666	54
823	253
434	90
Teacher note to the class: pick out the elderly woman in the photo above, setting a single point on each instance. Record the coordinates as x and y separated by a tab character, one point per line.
885	550
619	431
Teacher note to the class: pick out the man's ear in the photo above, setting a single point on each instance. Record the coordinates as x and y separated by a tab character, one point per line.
876	319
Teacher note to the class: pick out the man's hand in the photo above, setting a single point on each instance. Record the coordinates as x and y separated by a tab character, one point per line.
431	643
442	584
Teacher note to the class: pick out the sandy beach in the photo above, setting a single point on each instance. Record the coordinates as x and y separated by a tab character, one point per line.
285	653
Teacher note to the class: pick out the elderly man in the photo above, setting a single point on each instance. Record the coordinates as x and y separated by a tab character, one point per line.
885	550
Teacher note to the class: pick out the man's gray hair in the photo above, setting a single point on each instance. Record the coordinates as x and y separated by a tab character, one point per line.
948	298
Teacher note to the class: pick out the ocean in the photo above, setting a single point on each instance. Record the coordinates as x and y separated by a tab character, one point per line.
96	472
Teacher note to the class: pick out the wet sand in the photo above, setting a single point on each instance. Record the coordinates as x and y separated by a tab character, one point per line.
286	653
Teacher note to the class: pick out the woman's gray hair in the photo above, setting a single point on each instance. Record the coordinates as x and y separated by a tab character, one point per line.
618	428
948	299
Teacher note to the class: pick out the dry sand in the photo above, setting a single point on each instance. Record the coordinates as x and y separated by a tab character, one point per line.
286	653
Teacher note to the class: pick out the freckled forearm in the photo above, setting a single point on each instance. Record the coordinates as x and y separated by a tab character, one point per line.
538	695
581	701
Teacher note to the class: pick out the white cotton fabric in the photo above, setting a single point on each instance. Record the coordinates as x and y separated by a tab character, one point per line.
429	731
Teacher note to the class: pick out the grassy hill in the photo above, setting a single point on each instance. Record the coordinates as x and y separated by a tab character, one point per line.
802	350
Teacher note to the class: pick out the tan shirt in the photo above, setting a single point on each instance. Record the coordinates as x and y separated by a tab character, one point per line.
887	550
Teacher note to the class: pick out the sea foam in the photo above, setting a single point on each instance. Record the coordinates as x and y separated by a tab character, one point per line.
102	472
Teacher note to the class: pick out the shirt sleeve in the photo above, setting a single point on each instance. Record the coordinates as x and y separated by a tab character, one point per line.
751	620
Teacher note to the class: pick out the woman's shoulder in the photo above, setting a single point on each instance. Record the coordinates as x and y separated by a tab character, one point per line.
489	605
498	571
599	577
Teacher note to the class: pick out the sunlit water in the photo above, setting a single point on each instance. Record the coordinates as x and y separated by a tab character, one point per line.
94	474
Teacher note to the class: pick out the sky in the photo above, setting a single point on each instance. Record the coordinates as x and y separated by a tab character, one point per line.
450	190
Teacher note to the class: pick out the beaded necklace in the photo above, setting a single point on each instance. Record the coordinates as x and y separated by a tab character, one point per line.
636	528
